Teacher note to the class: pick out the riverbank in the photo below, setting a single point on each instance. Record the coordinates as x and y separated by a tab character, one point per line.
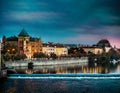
47	62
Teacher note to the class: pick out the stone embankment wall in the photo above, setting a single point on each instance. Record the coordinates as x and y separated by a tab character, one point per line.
47	62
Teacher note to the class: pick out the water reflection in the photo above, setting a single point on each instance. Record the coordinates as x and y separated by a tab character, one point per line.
29	71
62	69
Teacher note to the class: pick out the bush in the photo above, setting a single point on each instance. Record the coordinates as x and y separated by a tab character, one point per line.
53	56
7	57
20	56
39	55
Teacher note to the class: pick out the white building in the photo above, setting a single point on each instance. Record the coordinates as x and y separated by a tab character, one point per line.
95	50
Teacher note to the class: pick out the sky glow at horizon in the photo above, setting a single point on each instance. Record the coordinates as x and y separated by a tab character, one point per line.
63	21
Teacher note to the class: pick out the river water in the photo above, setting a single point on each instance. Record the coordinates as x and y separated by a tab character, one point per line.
64	79
71	68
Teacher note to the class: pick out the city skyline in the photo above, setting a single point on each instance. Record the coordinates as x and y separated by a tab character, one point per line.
79	21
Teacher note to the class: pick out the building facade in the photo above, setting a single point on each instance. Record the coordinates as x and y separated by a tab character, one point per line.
95	50
25	44
105	45
57	49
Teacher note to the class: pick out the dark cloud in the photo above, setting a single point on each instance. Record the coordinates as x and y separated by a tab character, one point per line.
67	18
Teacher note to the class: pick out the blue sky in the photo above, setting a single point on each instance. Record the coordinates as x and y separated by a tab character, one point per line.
63	21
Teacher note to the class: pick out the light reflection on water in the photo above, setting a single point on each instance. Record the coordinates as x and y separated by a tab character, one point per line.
64	69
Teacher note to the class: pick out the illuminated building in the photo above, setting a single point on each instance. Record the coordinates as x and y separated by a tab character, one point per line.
105	44
25	44
95	50
57	49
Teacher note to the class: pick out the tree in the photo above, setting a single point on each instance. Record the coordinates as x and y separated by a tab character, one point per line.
113	54
39	55
76	52
7	57
53	56
20	56
23	56
10	48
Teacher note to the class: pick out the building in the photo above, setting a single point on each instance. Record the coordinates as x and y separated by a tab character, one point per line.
57	49
102	46
118	51
105	44
95	50
25	44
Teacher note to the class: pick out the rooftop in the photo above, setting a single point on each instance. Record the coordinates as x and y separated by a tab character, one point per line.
23	33
53	45
90	47
12	38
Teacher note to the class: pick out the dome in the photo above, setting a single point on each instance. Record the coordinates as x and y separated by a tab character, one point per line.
104	43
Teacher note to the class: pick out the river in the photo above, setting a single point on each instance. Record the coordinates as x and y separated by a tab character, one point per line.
64	79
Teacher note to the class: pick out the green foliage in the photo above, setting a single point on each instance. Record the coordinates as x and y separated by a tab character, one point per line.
7	57
53	56
76	52
10	52
10	48
104	58
113	55
20	56
12	57
39	55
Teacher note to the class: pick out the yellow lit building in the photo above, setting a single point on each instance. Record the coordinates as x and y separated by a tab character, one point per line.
57	49
61	51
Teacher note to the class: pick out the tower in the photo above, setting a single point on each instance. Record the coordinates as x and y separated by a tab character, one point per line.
23	42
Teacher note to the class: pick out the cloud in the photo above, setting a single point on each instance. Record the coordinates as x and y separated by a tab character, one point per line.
32	5
92	39
30	16
102	30
73	21
115	41
83	39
